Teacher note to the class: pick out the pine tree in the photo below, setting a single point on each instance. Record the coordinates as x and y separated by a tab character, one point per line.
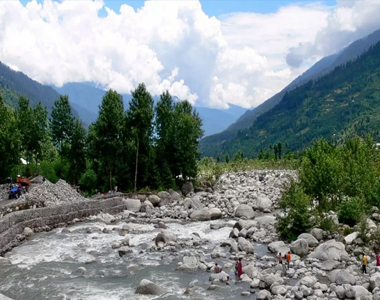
77	151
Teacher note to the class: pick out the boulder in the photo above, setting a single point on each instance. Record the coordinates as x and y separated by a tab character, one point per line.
343	277
124	250
264	295
201	215
374	281
154	199
311	240
193	203
330	250
215	213
133	204
189	263
81	271
175	196
351	237
222	276
187	188
28	231
245	224
300	247
317	233
266	221
244	211
165	198
245	245
309	281
218	253
146	206
263	203
165	237
2	297
278	247
360	291
278	289
147	287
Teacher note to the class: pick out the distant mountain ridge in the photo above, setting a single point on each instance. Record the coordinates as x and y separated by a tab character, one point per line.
86	100
14	83
341	104
321	68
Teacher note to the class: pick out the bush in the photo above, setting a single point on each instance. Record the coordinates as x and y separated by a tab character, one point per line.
297	218
327	224
352	210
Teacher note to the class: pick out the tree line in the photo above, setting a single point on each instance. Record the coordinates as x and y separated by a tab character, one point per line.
145	145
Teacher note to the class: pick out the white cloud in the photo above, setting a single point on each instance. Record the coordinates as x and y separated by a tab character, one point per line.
240	58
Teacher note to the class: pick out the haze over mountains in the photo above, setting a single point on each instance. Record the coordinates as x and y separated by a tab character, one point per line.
212	145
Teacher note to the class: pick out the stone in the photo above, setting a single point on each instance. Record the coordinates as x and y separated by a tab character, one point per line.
165	237
317	233
165	198
132	268
133	205
266	221
124	251
245	294
264	295
374	281
311	240
146	206
147	287
340	292
28	231
278	247
154	199
193	203
222	276
300	247
245	245
244	211
81	271
3	297
263	203
351	237
215	213
308	281
187	188
218	253
330	250
344	277
329	265
278	290
360	291
201	215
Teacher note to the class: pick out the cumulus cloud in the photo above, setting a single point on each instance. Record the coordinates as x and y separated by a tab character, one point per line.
349	21
240	58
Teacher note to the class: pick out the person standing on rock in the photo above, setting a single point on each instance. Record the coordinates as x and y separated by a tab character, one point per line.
377	260
288	258
236	266
240	268
364	264
217	269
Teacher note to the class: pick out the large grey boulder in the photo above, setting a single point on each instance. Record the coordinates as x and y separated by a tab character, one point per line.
300	247
2	297
264	295
265	221
201	215
351	237
147	287
245	245
146	206
374	281
165	237
133	204
215	213
317	233
278	247
189	263
309	281
193	203
360	291
154	199
343	277
222	276
165	198
244	211
175	196
263	203
187	188
330	250
311	240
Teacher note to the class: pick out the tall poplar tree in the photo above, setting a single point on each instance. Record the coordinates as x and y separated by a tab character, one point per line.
139	118
107	132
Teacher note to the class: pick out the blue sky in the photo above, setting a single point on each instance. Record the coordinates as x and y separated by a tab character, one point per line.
217	7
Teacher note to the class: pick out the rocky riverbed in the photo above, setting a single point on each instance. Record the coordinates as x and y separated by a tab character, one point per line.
165	247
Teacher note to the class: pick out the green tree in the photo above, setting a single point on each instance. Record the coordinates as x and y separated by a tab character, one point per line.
10	140
40	133
106	134
140	119
77	151
227	158
62	123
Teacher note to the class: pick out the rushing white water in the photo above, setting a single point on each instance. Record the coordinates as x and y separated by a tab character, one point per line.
42	267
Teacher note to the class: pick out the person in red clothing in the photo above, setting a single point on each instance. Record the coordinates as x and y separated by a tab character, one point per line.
240	268
377	260
217	269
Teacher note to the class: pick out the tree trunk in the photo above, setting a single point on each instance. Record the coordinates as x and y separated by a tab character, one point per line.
110	170
137	162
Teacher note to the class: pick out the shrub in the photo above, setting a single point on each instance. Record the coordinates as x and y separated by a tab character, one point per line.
352	210
327	224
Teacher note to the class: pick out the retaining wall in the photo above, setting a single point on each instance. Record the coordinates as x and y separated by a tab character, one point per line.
13	224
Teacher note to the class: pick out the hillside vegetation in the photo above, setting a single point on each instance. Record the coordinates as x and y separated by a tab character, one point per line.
341	104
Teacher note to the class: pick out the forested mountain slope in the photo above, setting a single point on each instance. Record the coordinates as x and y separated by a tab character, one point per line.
344	102
13	84
322	67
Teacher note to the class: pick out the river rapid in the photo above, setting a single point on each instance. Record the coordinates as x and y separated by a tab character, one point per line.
42	267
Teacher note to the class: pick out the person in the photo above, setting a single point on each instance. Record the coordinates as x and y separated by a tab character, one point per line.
288	258
364	264
377	260
236	266
280	258
240	268
217	268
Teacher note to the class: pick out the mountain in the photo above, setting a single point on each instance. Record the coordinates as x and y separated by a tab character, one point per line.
86	100
322	67
13	84
342	103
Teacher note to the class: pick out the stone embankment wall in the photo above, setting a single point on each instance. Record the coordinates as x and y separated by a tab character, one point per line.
12	225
